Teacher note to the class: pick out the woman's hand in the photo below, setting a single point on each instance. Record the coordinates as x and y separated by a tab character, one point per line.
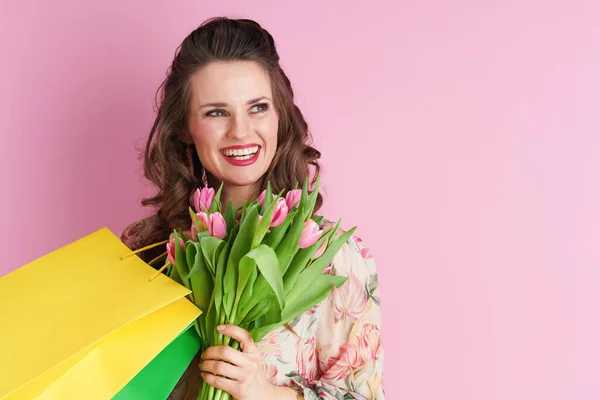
241	372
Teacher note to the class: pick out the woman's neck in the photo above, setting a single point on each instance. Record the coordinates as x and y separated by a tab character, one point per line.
237	194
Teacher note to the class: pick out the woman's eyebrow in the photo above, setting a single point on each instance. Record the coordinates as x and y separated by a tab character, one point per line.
258	99
221	104
213	105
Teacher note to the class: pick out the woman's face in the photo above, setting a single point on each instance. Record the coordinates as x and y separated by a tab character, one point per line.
232	121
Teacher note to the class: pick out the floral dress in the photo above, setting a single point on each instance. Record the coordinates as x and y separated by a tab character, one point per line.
333	351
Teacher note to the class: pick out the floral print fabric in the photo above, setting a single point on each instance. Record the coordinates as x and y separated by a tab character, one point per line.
333	351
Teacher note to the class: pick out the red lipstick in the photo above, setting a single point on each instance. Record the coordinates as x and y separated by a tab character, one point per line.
234	160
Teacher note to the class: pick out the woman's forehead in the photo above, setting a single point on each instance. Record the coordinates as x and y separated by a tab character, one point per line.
231	81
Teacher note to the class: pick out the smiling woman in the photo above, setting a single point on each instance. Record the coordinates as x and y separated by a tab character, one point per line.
227	117
232	122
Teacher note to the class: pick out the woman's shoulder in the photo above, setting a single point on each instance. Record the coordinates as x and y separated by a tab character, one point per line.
354	241
354	253
133	234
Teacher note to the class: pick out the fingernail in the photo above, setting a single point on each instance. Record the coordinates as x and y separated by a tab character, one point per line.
220	328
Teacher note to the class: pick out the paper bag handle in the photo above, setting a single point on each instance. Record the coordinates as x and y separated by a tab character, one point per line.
150	246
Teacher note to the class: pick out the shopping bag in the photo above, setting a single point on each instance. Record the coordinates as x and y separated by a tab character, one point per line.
84	320
158	379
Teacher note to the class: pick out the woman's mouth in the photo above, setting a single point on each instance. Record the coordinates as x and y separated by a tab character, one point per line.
241	156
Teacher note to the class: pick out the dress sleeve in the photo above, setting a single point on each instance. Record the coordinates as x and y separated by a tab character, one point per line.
131	235
348	344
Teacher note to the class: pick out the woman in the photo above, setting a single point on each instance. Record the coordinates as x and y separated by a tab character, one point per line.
227	115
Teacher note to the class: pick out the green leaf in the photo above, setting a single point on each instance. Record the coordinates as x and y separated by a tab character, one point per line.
268	265
304	198
241	246
263	225
247	295
247	270
276	235
313	199
315	270
268	198
311	287
244	208
190	255
219	274
176	277
216	204
266	292
230	216
180	260
208	328
210	246
289	245
201	279
273	314
300	261
200	235
312	295
257	311
318	219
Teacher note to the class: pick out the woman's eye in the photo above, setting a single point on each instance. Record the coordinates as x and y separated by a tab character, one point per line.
258	108
216	113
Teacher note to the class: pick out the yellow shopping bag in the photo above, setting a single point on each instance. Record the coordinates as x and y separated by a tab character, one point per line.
82	321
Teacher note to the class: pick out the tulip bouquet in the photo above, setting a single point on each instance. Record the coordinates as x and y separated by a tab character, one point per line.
258	272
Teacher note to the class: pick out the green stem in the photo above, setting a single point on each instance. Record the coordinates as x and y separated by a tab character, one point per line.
223	395
234	312
203	390
220	336
198	328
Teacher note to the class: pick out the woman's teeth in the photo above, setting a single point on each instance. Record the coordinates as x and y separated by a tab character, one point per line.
241	154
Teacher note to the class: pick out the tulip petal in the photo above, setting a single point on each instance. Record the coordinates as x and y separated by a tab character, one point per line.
293	197
204	218
197	196
310	234
261	198
280	212
218	226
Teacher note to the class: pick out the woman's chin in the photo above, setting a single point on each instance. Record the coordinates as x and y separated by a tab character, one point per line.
242	178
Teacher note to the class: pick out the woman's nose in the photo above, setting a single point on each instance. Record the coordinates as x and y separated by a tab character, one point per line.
240	127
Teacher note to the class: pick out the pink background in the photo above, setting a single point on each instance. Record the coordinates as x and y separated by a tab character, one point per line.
462	137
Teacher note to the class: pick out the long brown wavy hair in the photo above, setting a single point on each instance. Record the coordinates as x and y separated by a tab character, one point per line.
174	167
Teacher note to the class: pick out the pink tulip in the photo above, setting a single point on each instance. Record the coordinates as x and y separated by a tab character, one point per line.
171	249
293	197
310	234
280	212
261	198
215	223
204	218
203	199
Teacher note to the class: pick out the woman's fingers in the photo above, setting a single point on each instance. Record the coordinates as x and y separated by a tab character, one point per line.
230	386
222	368
241	335
225	353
